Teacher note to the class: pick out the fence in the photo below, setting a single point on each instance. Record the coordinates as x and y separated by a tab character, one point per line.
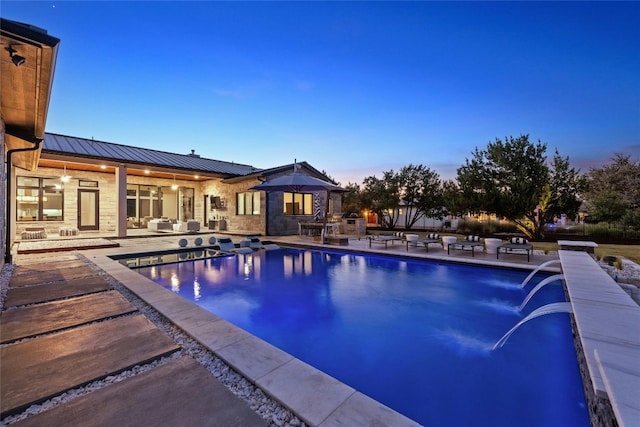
600	231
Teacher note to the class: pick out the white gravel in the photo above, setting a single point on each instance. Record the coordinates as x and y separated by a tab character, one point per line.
271	411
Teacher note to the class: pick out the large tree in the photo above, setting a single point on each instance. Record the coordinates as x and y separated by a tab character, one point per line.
562	194
511	179
382	196
420	194
614	189
415	189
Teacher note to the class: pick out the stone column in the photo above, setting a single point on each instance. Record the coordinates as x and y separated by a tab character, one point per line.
121	201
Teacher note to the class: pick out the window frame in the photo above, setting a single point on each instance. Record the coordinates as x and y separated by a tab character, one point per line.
301	203
248	203
44	189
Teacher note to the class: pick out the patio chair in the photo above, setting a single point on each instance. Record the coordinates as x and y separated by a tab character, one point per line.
516	245
429	239
469	242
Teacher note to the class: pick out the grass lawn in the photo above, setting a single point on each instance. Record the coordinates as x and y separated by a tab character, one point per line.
631	252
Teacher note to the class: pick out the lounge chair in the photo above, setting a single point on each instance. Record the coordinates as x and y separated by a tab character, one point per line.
431	238
469	242
255	243
385	239
516	245
226	244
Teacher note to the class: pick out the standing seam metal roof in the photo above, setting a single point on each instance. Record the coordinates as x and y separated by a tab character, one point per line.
62	144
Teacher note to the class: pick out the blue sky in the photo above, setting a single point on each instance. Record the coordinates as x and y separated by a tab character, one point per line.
354	88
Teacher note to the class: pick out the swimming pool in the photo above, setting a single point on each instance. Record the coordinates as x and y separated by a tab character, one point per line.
414	335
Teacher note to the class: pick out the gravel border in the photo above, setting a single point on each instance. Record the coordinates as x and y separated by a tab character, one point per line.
266	407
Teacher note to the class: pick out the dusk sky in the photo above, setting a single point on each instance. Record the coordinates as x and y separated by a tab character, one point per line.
354	88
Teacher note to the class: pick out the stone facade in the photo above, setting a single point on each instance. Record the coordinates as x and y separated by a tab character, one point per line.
3	195
271	203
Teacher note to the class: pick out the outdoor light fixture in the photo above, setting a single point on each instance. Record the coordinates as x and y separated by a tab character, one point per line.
174	187
16	59
65	178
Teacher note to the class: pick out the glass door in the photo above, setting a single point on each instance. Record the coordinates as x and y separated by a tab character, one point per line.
88	209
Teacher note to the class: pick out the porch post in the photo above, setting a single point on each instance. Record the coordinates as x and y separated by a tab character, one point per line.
121	201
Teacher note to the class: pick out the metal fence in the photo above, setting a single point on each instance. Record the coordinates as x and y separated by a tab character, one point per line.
600	230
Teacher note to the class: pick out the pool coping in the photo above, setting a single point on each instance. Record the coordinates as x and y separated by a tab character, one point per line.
314	396
607	322
317	398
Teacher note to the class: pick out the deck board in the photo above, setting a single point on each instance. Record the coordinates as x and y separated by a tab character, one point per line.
64	360
54	316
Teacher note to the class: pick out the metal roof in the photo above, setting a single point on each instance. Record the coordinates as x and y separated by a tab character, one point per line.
69	145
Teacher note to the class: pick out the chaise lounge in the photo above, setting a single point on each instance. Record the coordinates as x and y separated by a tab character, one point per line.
385	239
516	245
431	238
469	242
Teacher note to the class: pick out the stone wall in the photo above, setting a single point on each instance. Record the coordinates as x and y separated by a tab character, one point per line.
3	195
600	411
106	193
227	193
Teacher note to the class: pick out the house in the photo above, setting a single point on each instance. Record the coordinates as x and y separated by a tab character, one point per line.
111	188
59	184
27	64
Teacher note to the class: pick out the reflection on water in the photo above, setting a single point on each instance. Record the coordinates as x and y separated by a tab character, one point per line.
414	335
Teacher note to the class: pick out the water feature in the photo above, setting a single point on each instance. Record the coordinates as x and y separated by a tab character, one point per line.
539	286
537	269
414	335
557	307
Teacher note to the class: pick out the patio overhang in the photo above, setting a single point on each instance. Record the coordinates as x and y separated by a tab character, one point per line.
27	63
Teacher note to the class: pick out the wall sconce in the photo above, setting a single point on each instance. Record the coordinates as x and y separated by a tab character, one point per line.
16	59
65	178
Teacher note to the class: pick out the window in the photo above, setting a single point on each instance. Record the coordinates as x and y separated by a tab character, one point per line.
298	204
39	199
248	203
87	183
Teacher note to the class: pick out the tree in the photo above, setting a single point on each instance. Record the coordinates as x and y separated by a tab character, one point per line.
512	180
382	196
352	199
614	190
421	194
560	196
415	188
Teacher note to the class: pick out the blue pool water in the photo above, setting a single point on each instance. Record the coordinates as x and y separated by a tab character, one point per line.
414	335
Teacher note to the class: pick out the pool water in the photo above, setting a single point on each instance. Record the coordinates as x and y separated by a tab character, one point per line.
414	335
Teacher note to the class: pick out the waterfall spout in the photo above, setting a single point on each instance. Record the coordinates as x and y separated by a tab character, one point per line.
539	286
538	268
556	307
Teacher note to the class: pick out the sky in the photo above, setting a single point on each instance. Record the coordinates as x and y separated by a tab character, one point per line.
353	88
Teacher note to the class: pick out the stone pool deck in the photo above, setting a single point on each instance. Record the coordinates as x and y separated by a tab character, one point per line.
314	397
